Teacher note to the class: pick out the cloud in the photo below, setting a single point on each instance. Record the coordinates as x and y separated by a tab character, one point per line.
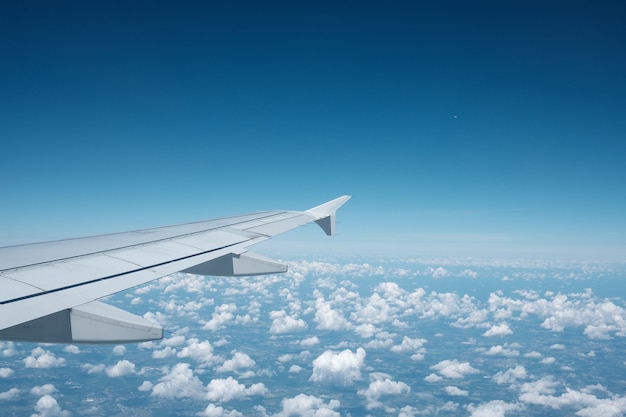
311	341
410	345
121	368
239	360
71	349
294	369
455	391
6	372
164	353
46	389
380	387
47	406
454	369
542	392
510	375
223	390
93	369
179	382
10	394
341	368
433	378
43	359
222	315
501	350
201	352
495	408
327	318
440	272
119	350
308	406
501	329
216	411
283	323
599	317
145	386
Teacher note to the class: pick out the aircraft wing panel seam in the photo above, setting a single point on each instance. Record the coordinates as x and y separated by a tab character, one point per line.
80	284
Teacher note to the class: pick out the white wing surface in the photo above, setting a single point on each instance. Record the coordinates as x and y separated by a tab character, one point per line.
49	291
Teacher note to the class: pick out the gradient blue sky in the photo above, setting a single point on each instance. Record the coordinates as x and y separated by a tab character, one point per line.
461	128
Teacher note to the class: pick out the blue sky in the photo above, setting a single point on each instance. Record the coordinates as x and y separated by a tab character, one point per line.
461	128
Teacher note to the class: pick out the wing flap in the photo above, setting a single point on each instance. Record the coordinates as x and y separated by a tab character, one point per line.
94	322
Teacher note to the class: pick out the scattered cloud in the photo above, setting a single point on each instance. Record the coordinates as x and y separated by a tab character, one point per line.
495	408
341	368
223	390
510	376
46	389
380	387
308	406
213	410
311	341
71	349
501	329
284	323
41	358
238	361
179	382
201	352
119	350
455	391
121	368
10	394
454	369
47	406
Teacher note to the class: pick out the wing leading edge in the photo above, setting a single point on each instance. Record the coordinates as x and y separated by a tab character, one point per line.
49	290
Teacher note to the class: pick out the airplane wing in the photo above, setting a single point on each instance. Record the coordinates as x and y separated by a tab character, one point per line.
49	291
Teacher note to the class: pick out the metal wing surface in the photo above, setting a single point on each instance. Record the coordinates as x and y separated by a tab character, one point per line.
48	291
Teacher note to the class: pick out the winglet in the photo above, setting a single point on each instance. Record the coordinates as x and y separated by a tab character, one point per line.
325	213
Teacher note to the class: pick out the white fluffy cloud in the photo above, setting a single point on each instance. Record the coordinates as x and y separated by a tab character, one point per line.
10	394
222	315
341	368
72	349
201	352
47	406
311	341
42	390
495	408
179	382
238	361
501	329
119	350
213	410
328	318
121	368
599	318
6	372
543	392
41	358
454	369
503	351
380	387
223	390
284	323
308	406
410	345
510	375
455	391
